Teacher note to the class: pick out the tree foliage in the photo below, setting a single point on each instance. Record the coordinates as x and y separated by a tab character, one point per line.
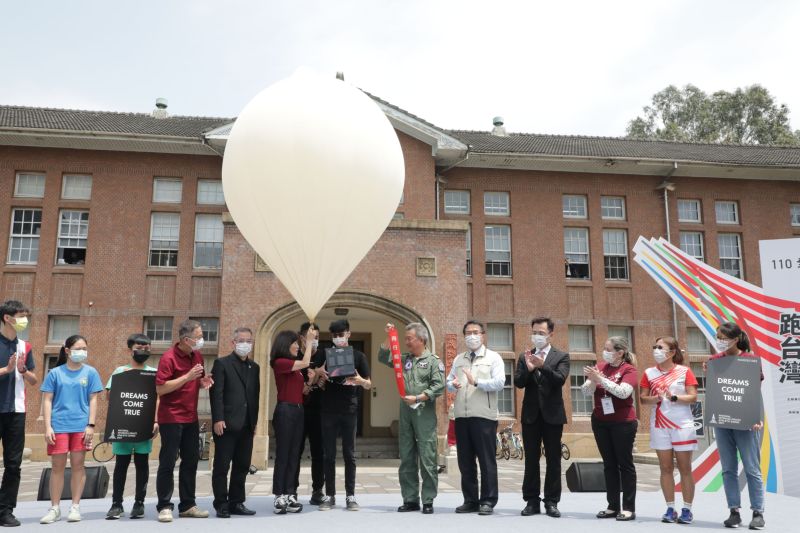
745	116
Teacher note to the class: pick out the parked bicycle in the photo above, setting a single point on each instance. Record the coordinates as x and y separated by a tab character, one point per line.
509	444
565	453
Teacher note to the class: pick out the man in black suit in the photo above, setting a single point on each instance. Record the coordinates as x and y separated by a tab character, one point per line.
542	373
234	411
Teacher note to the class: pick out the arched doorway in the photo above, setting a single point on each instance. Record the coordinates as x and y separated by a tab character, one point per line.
367	314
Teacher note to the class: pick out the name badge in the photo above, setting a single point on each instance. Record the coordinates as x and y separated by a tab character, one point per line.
422	364
608	405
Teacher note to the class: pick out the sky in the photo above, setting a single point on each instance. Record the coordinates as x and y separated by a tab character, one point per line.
559	67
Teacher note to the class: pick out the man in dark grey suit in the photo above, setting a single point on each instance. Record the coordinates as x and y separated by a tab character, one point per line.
542	372
234	411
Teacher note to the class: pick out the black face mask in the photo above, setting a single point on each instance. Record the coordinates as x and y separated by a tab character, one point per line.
140	356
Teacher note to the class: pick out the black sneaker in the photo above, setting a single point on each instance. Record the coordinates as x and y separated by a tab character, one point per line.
9	520
138	510
352	504
734	520
316	498
115	512
758	520
327	503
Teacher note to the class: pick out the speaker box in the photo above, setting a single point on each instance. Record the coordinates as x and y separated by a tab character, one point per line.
96	486
586	477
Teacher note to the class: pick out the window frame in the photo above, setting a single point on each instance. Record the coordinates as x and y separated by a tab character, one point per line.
36	236
200	183
565	199
508	329
469	250
621	207
18	194
207	331
698	203
794	215
577	397
60	250
731	258
496	210
150	332
507	394
702	256
164	179
736	215
608	267
51	322
220	242
493	263
567	254
161	250
692	335
580	327
65	178
448	210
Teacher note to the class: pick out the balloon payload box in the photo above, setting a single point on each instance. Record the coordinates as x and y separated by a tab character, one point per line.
340	362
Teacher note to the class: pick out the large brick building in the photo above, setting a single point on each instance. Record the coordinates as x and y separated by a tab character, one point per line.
115	223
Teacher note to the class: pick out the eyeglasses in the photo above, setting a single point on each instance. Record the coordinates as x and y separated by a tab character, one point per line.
473	332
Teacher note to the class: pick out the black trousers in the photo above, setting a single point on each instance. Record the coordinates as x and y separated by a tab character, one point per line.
183	439
121	475
232	451
12	434
476	439
615	442
333	425
312	430
533	435
287	425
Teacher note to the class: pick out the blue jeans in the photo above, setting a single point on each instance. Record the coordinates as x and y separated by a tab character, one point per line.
747	444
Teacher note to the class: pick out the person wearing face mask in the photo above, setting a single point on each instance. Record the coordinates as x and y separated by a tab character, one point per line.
315	378
614	424
734	443
424	382
287	419
340	404
69	401
234	414
16	370
671	388
139	348
542	373
477	375
179	378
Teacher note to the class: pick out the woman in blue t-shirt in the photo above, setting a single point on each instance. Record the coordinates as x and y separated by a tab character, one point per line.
70	406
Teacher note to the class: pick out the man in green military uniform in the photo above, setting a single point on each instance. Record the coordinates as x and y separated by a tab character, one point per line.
424	381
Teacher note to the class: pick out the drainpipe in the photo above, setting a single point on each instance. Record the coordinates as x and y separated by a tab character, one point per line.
667	186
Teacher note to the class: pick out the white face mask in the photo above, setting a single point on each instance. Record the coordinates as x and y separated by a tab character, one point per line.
723	345
473	341
340	342
78	356
243	349
314	344
198	344
659	355
539	341
608	357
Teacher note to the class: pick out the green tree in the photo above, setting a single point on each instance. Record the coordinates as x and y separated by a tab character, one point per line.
745	116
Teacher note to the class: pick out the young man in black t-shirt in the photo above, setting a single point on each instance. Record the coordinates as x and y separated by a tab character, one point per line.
340	416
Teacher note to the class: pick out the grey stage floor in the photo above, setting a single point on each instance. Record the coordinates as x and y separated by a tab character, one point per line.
378	513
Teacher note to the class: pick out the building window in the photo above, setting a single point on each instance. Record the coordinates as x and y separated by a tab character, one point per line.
209	192
615	254
730	254
26	226
689	211
496	203
574	206
699	373
498	250
581	339
626	332
500	337
158	328
29	185
612	207
61	327
469	250
456	202
210	328
505	399
73	230
576	252
208	231
75	187
204	396
168	190
692	244
727	212
795	212
49	364
696	342
582	404
164	231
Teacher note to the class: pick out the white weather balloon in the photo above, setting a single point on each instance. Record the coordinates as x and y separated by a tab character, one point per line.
312	174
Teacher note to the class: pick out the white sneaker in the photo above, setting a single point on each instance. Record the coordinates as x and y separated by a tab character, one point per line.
53	515
280	504
165	515
292	505
74	514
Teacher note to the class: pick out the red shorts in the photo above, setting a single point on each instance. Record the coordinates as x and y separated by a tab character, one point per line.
67	442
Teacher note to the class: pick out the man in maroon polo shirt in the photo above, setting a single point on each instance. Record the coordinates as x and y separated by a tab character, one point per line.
178	381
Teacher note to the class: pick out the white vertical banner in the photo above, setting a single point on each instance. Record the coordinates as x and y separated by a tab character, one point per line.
780	273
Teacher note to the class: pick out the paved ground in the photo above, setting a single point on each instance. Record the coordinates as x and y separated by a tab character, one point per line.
375	476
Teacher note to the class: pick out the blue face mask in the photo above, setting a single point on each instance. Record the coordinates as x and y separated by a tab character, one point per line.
78	356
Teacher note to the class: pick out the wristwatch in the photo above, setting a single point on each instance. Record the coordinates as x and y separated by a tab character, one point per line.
673	398
90	426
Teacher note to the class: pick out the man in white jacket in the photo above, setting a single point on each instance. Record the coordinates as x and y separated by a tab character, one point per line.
477	375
